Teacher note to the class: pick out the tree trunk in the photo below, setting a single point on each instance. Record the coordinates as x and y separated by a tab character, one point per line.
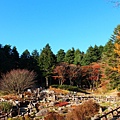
46	81
71	82
61	82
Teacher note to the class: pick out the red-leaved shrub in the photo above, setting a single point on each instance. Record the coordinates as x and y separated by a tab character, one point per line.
84	111
54	116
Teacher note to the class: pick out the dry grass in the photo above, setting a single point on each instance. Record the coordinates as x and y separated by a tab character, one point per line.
11	96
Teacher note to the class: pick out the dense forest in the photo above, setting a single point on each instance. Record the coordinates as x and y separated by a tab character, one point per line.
86	70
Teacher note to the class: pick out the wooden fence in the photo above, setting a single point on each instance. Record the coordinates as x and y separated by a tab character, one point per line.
113	113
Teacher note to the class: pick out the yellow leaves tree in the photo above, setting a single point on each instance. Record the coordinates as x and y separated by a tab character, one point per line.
117	51
117	48
111	60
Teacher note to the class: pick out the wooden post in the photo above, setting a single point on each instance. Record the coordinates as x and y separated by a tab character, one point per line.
105	116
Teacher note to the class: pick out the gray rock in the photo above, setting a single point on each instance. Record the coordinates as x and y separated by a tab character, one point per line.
42	112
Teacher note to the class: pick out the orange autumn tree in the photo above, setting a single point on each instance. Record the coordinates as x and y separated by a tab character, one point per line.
95	75
91	75
60	72
73	74
117	51
115	63
110	62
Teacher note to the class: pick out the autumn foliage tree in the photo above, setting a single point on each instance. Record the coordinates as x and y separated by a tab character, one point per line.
91	75
111	60
73	73
87	76
95	75
117	51
116	65
60	72
67	73
16	81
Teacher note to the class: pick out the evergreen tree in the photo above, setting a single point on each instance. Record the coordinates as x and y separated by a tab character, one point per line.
7	50
35	55
7	57
100	51
116	64
15	57
78	57
93	54
109	62
87	58
25	60
107	59
3	59
69	56
60	55
25	54
47	61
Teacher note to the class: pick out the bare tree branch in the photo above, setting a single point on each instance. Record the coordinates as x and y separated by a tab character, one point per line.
17	81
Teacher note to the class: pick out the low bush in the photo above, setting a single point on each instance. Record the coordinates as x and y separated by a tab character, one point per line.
68	87
73	88
84	111
54	86
65	87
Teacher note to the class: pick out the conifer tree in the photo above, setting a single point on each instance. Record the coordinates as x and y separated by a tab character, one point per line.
60	55
69	56
110	60
47	61
78	57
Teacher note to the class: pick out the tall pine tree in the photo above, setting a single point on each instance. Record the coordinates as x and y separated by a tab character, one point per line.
69	56
60	55
47	62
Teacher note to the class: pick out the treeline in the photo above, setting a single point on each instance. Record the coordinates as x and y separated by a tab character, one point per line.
46	62
73	67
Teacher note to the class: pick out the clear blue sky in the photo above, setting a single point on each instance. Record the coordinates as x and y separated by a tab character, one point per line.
31	24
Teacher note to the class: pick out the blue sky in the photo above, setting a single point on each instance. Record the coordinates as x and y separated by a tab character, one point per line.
31	24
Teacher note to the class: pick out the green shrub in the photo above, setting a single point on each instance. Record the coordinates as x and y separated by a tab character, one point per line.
73	88
5	106
54	86
63	87
68	87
